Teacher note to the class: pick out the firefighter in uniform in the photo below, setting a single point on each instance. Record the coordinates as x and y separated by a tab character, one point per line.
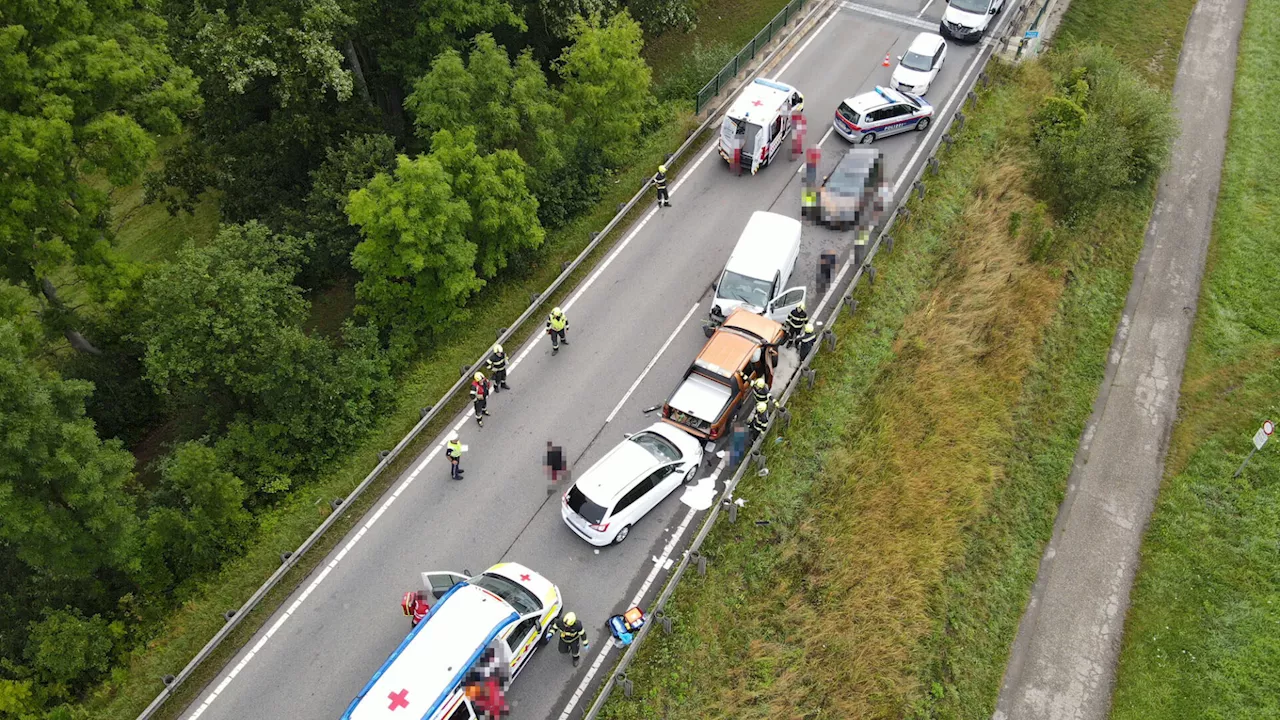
795	323
759	421
806	341
480	395
573	636
496	364
660	182
557	324
453	451
760	391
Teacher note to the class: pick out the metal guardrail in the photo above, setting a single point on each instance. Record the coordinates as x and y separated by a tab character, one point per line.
746	54
754	455
431	412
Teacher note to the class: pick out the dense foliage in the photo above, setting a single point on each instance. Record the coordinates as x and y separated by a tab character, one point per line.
414	151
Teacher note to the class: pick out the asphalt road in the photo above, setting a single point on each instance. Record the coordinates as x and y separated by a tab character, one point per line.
1063	663
651	292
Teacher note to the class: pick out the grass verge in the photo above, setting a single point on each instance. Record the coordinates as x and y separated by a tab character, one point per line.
907	516
1203	632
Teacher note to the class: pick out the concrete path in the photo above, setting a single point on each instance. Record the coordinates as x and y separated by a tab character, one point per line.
1063	661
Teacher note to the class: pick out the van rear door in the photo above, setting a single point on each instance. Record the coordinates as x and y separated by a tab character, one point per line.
758	141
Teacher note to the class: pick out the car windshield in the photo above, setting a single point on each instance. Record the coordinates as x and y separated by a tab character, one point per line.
658	446
579	503
848	180
747	289
515	594
971	6
848	113
916	61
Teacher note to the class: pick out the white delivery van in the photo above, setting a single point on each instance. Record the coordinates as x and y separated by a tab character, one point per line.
758	122
759	268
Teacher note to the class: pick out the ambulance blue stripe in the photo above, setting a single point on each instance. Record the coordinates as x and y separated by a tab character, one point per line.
774	85
457	679
408	639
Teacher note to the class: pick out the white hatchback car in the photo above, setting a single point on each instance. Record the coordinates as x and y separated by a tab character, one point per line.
917	69
628	482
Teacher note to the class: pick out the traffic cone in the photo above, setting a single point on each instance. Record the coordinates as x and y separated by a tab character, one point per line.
886	60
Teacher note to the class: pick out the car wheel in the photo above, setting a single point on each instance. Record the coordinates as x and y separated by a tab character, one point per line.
868	139
923	124
688	477
622	535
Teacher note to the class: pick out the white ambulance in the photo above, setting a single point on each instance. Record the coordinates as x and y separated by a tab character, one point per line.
759	122
507	609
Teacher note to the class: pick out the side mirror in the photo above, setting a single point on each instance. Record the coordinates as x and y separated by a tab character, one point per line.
466	572
899	58
627	435
995	10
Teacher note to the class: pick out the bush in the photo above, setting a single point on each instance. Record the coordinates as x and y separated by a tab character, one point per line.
67	651
1104	130
697	69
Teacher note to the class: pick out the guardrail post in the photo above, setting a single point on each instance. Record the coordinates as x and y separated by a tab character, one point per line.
810	376
784	416
887	242
958	121
732	509
904	212
284	556
829	336
700	561
382	454
462	372
626	684
984	79
423	412
664	620
871	274
167	680
850	303
933	164
335	503
759	459
946	138
918	186
228	615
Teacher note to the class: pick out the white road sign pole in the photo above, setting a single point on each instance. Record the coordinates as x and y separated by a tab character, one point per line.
1259	439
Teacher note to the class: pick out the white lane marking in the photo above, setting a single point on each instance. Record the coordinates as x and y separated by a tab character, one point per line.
458	427
890	16
926	7
652	362
950	99
804	45
659	565
820	144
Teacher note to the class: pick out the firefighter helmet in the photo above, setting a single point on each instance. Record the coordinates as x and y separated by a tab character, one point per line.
570	618
762	407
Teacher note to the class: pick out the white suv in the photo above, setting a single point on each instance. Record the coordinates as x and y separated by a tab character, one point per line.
628	482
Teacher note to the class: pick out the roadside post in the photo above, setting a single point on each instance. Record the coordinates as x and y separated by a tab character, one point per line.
1259	439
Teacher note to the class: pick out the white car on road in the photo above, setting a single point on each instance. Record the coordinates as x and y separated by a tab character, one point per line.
917	69
628	482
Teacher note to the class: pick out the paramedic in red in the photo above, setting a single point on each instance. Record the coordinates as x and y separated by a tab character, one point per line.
415	606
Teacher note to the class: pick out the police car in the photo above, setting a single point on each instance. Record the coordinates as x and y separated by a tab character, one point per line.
507	609
880	113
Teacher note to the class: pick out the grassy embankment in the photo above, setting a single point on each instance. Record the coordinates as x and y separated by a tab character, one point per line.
1202	639
149	235
920	479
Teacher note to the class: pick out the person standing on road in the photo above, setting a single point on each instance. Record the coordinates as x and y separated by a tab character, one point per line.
795	323
806	341
496	364
573	636
415	606
760	391
480	396
759	421
557	325
660	182
555	462
453	451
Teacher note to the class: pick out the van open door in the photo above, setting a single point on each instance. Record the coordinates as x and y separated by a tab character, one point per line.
439	582
757	141
782	305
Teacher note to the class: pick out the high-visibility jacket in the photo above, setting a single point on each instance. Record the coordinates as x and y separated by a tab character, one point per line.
497	362
809	198
479	390
453	449
759	422
569	633
808	337
660	181
760	394
558	323
796	319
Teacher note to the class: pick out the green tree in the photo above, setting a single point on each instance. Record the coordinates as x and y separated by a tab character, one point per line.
83	85
68	650
199	518
417	265
63	491
504	214
606	87
215	317
347	167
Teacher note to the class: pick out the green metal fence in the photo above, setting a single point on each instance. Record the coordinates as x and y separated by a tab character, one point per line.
747	53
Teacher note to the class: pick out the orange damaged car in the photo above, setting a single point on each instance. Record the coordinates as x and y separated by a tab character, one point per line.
742	349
